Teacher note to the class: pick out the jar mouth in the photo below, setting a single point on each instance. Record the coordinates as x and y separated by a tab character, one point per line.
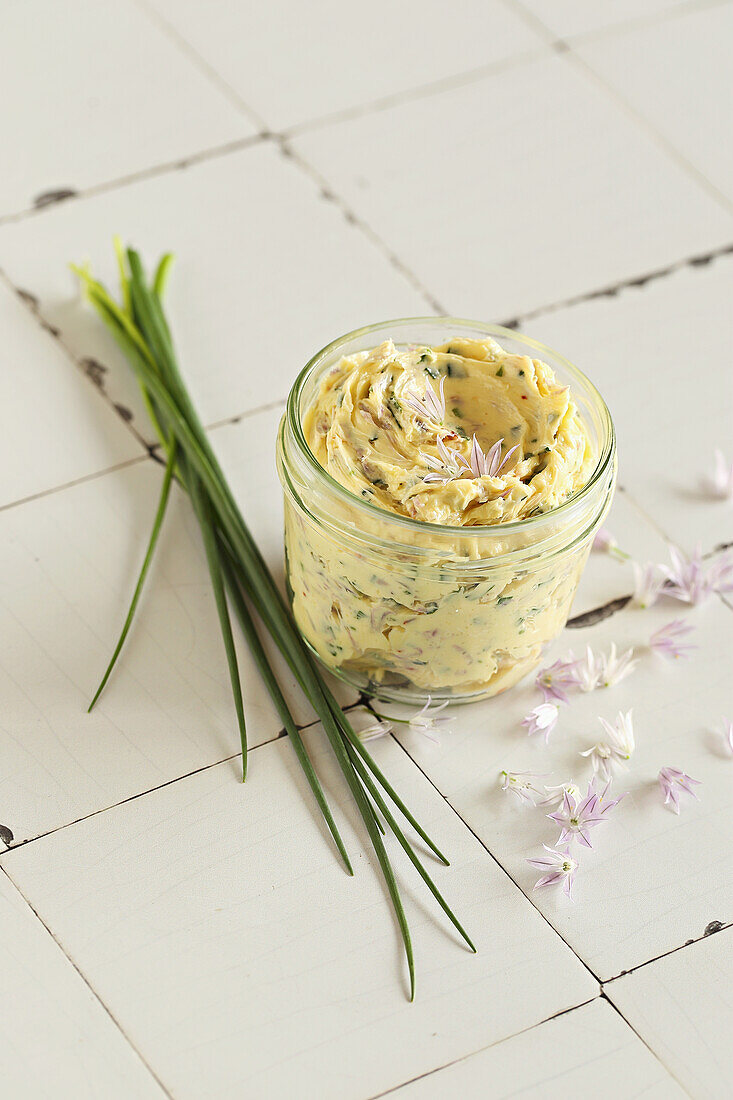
567	509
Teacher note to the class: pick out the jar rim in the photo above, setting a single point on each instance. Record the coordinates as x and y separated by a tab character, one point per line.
534	523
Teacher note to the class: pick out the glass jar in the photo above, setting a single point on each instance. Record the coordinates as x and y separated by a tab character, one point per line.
403	609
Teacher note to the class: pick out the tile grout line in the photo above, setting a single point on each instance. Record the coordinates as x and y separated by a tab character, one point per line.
89	986
641	1039
153	171
711	930
633	282
199	62
628	26
33	308
496	860
565	48
280	735
490	1046
411	95
8	505
334	197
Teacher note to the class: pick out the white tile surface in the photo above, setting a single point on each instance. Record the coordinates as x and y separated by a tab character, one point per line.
570	17
653	880
682	1006
69	564
515	192
94	92
658	355
56	1038
267	272
607	577
341	56
206	932
55	426
589	1051
677	75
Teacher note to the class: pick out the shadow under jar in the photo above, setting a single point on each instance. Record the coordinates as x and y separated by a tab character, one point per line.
404	609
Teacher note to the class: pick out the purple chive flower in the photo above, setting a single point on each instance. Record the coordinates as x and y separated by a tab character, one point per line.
577	816
615	667
431	407
555	794
686	579
604	540
720	574
554	680
445	468
588	671
559	867
379	728
489	464
689	581
605	543
647	584
672	781
425	720
668	640
616	750
456	466
721	481
523	785
542	720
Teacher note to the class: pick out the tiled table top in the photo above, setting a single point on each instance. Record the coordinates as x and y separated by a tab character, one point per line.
555	164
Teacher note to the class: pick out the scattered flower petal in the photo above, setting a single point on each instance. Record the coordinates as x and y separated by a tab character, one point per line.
577	815
647	584
721	481
554	680
672	781
616	750
668	640
559	867
542	720
614	668
523	785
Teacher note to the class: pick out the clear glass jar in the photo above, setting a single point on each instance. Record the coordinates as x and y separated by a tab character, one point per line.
403	609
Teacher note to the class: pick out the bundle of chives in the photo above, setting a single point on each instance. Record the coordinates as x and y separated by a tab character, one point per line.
239	575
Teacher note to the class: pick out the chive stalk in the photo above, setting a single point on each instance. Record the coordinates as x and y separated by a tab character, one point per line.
240	576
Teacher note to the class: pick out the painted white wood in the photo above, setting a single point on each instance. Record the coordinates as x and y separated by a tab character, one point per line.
567	18
94	93
653	880
517	191
340	56
56	1038
657	353
55	427
69	562
267	272
684	92
587	1051
218	925
681	1006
